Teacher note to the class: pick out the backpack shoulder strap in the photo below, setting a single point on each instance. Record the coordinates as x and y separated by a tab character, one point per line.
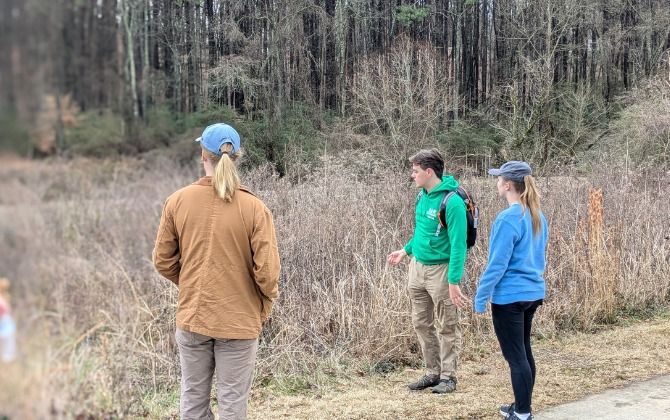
441	214
445	200
463	194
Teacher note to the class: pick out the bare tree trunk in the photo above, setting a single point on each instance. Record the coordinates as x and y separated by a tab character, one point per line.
484	51
211	39
341	42
457	61
145	56
128	21
190	96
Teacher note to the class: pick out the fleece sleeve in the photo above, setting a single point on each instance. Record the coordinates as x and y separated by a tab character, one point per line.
408	247
457	228
501	244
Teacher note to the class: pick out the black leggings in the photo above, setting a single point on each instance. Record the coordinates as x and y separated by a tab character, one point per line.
512	323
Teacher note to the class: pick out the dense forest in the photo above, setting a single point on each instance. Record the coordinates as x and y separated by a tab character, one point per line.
541	77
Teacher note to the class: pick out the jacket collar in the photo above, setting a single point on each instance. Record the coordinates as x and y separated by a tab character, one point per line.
207	182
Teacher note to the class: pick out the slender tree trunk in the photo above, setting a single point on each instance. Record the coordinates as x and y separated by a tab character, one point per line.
128	20
145	58
211	38
484	51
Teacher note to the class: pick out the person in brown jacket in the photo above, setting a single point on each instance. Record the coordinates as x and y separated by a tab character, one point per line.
216	241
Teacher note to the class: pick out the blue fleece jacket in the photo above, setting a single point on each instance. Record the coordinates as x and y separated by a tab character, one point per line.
515	268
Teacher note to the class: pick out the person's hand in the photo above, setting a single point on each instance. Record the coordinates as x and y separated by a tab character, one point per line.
395	257
457	297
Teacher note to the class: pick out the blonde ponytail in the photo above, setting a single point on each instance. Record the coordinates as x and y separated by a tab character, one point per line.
226	180
530	199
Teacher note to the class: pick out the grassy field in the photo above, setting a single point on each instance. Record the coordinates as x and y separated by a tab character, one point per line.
97	322
570	366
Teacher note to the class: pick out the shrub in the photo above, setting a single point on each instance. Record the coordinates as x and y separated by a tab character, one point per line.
463	139
402	97
203	118
292	144
641	134
161	126
99	133
14	137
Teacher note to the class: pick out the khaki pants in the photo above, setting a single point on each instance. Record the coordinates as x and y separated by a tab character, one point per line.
435	318
233	360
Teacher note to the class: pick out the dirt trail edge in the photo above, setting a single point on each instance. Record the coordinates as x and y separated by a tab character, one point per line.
644	400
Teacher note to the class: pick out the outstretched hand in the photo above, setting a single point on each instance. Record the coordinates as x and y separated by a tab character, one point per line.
395	257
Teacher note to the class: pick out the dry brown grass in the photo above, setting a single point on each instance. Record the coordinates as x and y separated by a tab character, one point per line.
97	321
569	367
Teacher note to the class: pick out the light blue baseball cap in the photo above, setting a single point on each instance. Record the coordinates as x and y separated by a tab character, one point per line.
216	135
513	170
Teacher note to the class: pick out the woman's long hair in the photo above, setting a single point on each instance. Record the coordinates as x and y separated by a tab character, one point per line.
226	180
530	199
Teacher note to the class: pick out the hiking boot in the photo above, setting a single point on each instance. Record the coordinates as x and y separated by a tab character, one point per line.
424	382
446	386
507	410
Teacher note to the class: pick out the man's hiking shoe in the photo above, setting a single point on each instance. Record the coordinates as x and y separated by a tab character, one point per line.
507	410
445	386
424	382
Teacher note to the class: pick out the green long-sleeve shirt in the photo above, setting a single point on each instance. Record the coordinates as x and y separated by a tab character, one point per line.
432	244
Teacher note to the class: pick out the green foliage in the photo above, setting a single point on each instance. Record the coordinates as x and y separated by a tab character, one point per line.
551	130
203	118
14	137
330	117
101	133
98	134
161	125
159	129
408	15
162	403
171	135
298	130
578	118
464	139
292	143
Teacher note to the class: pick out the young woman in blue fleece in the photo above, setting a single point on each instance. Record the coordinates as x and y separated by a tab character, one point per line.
513	280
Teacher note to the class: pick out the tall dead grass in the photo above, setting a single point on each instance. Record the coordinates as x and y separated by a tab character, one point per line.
97	322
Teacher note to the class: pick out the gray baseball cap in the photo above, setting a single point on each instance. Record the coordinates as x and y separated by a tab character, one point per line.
513	170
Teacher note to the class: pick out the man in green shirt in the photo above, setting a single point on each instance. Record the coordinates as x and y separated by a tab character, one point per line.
435	271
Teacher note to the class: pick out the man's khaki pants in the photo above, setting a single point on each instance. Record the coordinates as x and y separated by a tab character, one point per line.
233	360
435	318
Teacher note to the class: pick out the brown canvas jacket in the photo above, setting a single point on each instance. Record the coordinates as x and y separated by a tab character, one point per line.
222	256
